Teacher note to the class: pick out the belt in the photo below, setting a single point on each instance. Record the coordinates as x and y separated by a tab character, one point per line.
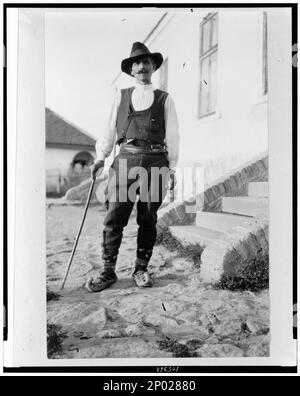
142	146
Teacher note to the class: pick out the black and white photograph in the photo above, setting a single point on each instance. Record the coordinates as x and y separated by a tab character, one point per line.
149	279
155	176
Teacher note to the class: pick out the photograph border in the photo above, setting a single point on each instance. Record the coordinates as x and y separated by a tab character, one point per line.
151	369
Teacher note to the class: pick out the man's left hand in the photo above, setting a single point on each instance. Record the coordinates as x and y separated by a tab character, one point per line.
172	180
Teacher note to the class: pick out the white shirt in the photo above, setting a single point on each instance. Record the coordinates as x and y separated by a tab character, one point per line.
142	98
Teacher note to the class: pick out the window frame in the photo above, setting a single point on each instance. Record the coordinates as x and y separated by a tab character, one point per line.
204	55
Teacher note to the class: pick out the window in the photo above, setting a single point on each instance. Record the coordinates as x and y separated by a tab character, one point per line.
208	65
163	75
265	56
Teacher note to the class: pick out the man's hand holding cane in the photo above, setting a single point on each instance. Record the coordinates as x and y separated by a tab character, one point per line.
97	166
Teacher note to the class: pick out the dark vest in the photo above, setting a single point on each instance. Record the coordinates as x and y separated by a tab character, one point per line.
148	124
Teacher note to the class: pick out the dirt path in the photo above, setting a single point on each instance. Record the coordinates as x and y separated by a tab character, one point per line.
179	316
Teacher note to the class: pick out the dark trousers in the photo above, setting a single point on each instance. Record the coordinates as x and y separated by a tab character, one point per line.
132	176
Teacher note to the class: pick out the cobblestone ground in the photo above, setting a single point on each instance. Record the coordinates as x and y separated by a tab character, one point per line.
179	316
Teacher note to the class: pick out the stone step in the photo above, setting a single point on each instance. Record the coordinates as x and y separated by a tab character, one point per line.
192	234
248	206
220	221
258	189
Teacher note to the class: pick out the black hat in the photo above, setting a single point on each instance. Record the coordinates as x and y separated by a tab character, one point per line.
139	50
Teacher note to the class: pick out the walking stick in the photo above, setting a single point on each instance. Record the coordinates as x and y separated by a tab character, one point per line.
79	232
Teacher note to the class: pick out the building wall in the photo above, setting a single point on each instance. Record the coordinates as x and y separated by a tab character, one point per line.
59	177
61	158
238	130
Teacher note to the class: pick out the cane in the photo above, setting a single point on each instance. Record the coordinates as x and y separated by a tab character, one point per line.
79	232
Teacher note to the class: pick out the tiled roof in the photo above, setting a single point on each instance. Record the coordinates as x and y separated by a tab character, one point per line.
60	131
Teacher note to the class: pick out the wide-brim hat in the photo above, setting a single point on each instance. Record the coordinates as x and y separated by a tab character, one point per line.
139	50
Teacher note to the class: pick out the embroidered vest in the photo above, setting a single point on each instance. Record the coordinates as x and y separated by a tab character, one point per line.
148	124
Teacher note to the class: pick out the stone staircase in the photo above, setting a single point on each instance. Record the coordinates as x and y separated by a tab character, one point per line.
234	234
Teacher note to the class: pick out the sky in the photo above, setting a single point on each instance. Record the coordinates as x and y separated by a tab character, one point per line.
83	53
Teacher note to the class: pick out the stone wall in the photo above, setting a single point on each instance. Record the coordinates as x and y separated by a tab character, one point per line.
234	253
233	183
80	192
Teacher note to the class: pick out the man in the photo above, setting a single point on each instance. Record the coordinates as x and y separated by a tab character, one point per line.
144	122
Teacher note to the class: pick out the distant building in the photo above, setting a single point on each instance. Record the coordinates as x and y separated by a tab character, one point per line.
69	153
215	68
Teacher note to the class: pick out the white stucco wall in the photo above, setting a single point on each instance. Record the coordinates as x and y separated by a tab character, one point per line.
61	158
239	127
